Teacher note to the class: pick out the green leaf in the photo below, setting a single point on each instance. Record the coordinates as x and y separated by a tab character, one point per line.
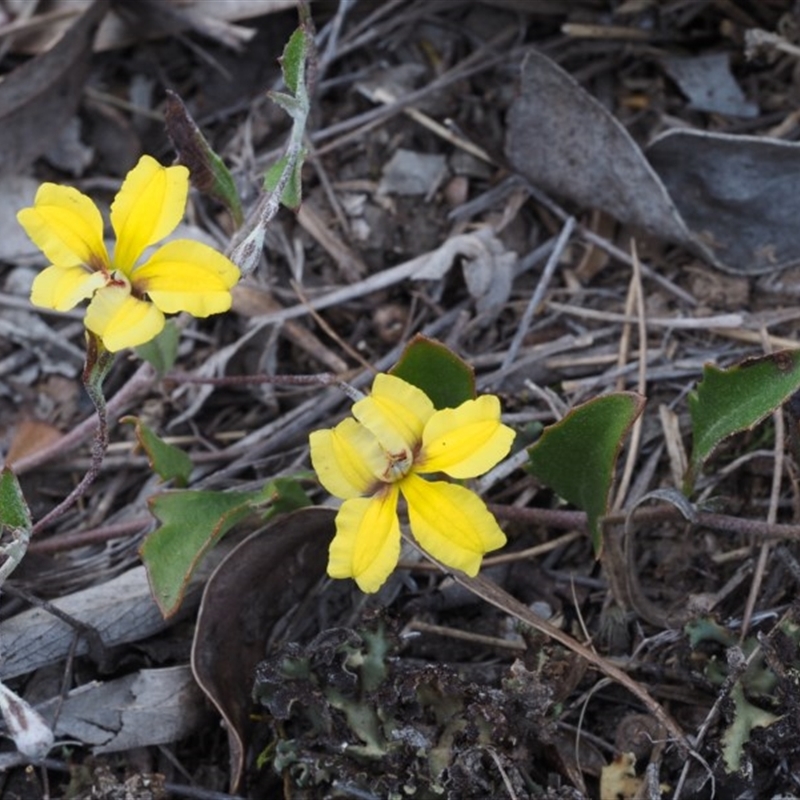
292	195
284	495
746	716
162	351
207	170
166	460
294	107
576	456
437	370
293	61
15	524
732	400
14	513
192	523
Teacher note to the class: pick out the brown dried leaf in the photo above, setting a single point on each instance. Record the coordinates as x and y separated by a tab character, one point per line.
251	591
29	437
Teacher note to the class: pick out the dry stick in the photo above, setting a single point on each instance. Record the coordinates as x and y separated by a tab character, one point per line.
623	354
543	199
637	297
357	126
466	636
566	520
323	323
676	323
140	381
372	283
538	294
777	475
546	517
105	533
772	513
493	594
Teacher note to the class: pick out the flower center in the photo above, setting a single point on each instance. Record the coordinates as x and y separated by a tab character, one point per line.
398	466
117	279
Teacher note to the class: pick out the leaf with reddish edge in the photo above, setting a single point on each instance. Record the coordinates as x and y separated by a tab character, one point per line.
438	371
193	522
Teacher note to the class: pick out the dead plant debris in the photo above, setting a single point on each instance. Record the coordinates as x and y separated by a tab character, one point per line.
506	176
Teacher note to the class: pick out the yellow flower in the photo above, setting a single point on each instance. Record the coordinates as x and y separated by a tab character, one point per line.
371	460
128	298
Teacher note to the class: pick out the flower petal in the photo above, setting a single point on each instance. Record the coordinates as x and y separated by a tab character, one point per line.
66	226
451	523
367	542
121	320
347	459
148	207
62	288
187	276
466	441
396	412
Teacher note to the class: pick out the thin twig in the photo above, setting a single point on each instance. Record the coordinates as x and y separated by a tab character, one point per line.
139	383
538	294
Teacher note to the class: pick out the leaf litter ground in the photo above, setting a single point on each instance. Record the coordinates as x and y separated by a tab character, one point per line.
431	207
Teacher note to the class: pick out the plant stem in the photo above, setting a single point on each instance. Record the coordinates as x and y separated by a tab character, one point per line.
98	363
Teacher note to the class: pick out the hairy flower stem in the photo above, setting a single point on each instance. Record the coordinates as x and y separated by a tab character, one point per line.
98	363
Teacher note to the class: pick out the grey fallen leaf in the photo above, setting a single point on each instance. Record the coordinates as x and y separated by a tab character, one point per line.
725	198
562	140
149	707
409	173
707	82
738	194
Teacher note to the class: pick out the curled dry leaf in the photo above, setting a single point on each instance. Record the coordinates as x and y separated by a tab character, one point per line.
257	585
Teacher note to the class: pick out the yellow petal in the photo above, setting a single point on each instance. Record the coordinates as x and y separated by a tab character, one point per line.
347	459
147	208
121	320
66	226
451	523
62	288
187	276
396	412
367	542
466	441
